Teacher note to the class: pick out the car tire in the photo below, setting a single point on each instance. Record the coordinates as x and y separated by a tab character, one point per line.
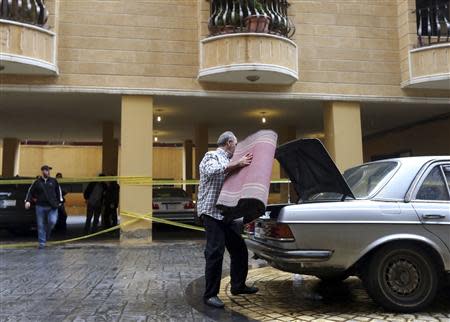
402	278
333	278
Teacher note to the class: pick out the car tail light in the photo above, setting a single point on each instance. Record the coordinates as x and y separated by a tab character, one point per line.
189	205
249	228
155	206
279	232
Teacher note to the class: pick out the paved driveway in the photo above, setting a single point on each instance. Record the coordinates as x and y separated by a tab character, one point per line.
99	283
90	282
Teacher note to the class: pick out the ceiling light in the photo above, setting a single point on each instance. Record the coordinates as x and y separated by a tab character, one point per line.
158	115
263	118
252	78
155	139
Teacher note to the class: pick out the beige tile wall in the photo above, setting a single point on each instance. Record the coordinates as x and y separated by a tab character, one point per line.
346	46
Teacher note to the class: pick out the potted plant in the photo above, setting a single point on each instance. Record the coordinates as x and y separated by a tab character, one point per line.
259	21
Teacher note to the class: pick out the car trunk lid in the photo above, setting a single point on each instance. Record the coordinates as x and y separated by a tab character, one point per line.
311	169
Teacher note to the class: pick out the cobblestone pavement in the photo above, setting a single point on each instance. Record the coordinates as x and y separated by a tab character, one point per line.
288	297
100	283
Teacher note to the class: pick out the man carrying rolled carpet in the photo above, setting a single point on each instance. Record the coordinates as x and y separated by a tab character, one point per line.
220	232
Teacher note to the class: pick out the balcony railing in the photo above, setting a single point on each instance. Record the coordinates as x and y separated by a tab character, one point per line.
433	24
32	12
262	16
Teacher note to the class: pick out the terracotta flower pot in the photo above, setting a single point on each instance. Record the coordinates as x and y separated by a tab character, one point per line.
257	24
228	29
251	23
263	24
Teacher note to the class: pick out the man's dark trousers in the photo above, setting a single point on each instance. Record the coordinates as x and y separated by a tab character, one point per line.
220	234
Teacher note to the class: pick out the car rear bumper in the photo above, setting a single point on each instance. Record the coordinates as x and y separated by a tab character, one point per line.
183	216
17	218
285	256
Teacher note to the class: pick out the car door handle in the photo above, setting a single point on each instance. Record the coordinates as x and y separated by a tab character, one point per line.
433	216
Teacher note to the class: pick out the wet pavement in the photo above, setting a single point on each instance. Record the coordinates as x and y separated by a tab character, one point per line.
92	283
164	282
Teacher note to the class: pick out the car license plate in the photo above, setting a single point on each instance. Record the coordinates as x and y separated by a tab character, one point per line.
259	232
171	206
7	203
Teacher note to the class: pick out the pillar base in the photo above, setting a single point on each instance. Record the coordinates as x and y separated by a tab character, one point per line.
136	237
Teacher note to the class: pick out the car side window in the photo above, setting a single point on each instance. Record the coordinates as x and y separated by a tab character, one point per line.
433	187
447	175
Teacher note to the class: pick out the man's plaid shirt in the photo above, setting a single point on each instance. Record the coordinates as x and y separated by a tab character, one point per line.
212	175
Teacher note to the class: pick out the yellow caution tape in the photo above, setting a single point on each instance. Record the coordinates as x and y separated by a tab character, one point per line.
136	216
59	242
149	217
123	180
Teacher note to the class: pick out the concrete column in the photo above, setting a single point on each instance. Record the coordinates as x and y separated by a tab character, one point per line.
287	192
136	160
10	159
201	145
188	147
343	137
110	150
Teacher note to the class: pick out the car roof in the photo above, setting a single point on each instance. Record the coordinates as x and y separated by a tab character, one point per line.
418	159
397	187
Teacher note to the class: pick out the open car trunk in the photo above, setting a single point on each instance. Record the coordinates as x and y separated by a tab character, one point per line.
311	169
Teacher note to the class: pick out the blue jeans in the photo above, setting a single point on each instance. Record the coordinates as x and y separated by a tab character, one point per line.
46	219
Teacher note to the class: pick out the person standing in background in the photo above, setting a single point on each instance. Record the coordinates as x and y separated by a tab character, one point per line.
61	222
111	203
47	193
93	195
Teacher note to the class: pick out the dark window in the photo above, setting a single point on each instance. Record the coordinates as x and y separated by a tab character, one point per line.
433	187
432	17
169	193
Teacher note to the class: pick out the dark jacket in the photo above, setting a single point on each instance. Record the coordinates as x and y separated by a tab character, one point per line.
92	199
112	195
46	192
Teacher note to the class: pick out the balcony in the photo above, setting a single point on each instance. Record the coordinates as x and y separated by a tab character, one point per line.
430	61
26	46
249	42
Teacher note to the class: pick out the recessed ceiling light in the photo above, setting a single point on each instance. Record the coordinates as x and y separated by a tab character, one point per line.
158	118
155	139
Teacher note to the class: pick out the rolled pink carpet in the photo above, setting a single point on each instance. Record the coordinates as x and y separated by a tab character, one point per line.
245	192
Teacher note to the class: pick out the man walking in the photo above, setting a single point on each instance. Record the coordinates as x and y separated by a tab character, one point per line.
47	193
221	232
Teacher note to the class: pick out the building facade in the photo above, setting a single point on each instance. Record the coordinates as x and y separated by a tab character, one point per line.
371	78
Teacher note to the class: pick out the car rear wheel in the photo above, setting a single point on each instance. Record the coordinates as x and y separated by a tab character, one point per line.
402	278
